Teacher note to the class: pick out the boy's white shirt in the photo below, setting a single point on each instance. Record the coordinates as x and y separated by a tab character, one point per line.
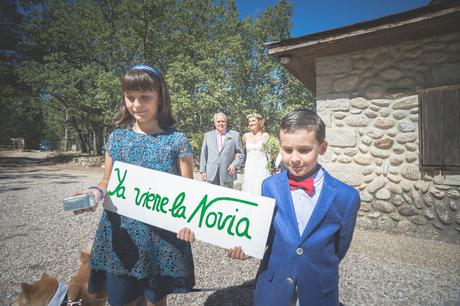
304	204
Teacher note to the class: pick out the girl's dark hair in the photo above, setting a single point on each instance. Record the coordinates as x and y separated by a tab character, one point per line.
304	119
142	80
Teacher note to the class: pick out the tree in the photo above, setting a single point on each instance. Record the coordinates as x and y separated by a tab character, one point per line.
213	61
21	114
75	76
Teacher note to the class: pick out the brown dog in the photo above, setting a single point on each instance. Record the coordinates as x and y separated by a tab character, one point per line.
42	291
39	293
78	286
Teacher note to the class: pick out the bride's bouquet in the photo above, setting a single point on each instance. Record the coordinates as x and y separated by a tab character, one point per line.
271	148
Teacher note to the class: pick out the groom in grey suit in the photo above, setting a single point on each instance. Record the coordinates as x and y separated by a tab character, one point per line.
221	154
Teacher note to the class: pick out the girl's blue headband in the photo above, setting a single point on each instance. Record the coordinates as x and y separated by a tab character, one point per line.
152	71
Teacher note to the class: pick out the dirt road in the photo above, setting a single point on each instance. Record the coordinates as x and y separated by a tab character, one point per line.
37	236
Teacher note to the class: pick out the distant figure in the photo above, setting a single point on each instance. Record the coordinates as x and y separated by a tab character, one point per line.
221	154
255	168
313	223
132	259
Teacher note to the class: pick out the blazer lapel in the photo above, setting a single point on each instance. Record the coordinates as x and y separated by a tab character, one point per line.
325	200
286	197
214	140
227	138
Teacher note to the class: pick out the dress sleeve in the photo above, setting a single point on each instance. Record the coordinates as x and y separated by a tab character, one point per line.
109	144
185	149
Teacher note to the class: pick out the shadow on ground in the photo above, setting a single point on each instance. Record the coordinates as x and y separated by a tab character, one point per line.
20	171
241	295
13	162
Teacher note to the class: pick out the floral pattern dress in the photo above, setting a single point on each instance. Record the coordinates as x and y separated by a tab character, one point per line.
124	246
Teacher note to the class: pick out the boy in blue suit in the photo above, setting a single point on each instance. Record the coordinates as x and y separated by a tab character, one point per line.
313	222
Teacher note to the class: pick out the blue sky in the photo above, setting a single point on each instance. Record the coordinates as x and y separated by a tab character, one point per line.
312	16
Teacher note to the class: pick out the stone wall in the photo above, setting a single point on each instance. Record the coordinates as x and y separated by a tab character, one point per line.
90	161
369	103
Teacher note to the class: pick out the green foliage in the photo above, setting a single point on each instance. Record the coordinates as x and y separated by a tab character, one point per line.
271	148
21	113
196	140
73	53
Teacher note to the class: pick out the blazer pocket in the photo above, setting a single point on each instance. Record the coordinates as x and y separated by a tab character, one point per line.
267	275
329	281
332	217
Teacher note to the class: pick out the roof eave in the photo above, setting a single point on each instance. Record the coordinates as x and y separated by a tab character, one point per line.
415	24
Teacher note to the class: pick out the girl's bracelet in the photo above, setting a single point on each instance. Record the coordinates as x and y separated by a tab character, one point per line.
101	191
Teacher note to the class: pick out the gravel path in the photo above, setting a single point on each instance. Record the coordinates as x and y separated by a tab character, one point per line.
37	236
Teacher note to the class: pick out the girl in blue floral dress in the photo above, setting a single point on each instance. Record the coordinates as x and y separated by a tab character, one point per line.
130	258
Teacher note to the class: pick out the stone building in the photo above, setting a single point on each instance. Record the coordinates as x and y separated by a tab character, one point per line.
389	93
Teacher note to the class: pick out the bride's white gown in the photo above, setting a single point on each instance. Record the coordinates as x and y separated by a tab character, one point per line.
255	170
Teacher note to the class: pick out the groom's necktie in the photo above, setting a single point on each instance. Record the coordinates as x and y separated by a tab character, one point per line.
306	185
220	141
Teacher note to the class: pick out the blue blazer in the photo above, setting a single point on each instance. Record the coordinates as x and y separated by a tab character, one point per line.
309	260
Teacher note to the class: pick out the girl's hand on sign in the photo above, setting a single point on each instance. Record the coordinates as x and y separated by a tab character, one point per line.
237	253
186	234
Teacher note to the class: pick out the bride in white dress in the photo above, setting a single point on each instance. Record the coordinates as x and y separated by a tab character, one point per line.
255	169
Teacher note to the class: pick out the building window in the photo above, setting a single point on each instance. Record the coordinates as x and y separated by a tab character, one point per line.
439	127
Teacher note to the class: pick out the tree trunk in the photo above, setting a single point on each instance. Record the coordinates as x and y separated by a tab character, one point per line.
84	139
99	139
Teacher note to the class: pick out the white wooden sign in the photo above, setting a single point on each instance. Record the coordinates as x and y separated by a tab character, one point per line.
217	215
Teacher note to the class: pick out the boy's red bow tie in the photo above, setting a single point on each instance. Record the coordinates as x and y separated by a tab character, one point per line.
307	185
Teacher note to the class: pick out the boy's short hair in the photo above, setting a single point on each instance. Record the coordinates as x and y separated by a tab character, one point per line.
304	119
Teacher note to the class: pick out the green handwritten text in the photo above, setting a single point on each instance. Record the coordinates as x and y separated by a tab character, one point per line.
119	191
157	202
178	210
211	219
233	223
